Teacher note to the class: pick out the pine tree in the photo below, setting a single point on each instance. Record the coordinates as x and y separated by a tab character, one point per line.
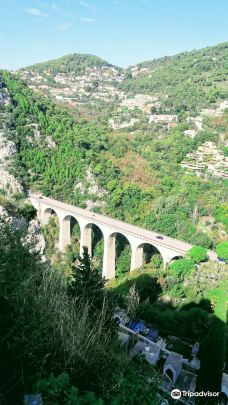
87	283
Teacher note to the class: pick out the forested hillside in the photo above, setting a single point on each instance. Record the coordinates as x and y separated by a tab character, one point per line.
134	175
188	81
74	63
147	145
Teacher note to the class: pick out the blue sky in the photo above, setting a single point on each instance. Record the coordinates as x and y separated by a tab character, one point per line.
123	32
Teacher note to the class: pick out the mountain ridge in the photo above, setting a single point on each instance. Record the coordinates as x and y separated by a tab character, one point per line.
168	57
69	63
143	63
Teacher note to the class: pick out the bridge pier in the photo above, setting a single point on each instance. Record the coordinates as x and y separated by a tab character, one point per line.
86	238
64	232
136	258
109	257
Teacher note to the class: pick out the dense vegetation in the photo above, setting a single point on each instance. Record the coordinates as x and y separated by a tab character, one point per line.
168	201
198	254
222	250
61	341
74	63
58	322
57	316
191	80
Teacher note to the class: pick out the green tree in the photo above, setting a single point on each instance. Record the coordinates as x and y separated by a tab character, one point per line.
198	254
28	211
222	250
182	267
87	283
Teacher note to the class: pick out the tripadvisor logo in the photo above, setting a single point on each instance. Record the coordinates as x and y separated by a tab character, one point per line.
175	394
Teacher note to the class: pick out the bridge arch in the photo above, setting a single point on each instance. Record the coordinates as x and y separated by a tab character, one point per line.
174	258
48	213
93	238
121	234
69	231
52	224
144	253
117	251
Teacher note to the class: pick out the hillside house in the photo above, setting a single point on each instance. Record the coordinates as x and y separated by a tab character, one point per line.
162	118
207	158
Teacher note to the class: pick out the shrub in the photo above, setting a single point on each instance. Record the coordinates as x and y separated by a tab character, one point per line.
198	254
221	215
200	238
123	262
132	302
208	275
185	324
182	267
136	385
51	233
147	286
28	211
59	390
156	261
222	250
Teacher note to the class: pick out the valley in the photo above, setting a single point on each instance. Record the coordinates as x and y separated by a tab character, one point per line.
147	146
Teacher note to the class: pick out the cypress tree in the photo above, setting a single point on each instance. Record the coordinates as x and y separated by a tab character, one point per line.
87	283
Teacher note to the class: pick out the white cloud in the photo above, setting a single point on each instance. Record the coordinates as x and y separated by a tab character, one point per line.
87	5
36	12
65	26
88	20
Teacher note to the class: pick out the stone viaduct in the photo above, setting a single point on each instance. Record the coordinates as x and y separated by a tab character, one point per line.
137	237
